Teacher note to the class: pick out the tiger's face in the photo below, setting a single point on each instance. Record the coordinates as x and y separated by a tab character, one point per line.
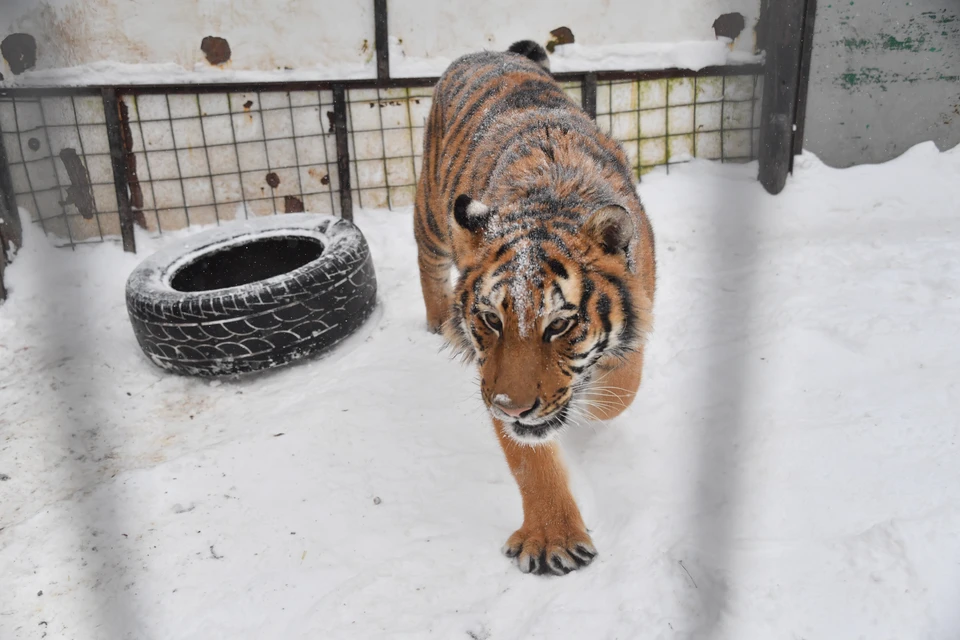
543	306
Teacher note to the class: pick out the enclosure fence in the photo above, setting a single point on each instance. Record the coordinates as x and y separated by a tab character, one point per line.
202	154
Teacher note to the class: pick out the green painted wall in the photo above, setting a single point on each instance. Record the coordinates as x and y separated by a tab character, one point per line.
885	76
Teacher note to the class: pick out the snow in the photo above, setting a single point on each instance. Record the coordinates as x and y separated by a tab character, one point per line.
112	73
789	469
520	288
637	56
692	55
160	267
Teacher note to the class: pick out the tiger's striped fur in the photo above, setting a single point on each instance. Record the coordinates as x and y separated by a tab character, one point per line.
538	211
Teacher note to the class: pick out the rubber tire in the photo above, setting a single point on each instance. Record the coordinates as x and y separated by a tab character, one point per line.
260	325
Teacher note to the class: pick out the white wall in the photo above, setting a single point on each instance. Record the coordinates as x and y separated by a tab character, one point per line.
449	28
317	39
330	38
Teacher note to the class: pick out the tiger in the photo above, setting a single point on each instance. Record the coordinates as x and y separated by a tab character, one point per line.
537	263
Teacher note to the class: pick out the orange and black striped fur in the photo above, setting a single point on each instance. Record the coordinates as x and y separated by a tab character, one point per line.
538	211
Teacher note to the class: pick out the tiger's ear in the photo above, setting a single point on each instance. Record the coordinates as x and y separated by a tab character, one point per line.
472	215
612	227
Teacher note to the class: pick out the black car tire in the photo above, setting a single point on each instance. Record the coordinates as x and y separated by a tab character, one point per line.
252	295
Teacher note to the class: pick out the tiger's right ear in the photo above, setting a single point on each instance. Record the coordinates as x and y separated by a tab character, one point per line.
472	215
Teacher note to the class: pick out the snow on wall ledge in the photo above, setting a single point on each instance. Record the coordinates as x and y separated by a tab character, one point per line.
692	55
124	74
638	56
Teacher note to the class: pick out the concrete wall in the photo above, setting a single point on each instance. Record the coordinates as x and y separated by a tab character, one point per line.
885	76
334	37
328	38
450	28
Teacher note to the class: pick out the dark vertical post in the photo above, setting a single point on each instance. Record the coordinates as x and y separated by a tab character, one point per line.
783	37
806	53
5	230
3	244
380	39
343	150
3	265
589	94
111	110
10	230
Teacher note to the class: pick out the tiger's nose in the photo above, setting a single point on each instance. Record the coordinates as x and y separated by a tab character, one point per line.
514	409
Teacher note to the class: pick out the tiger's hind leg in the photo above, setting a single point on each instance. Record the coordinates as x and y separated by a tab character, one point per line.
431	226
434	260
437	291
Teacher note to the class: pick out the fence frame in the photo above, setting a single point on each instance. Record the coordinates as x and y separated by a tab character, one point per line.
785	31
112	94
786	35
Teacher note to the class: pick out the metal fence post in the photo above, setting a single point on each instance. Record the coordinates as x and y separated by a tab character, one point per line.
343	150
805	60
3	244
8	207
111	110
589	95
784	41
380	39
10	230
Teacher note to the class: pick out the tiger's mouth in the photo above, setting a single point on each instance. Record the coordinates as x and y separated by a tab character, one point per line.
541	429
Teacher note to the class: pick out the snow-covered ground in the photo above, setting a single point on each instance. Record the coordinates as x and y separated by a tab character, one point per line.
789	470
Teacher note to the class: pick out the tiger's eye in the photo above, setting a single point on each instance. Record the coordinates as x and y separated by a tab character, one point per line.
558	327
492	321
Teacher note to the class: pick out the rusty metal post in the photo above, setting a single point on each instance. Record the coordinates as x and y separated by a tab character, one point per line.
10	230
9	218
3	266
111	110
3	249
343	150
589	94
381	40
783	39
806	54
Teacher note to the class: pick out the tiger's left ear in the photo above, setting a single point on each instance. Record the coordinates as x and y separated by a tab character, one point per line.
472	215
612	227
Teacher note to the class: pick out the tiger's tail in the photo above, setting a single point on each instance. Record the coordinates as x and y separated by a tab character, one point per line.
532	50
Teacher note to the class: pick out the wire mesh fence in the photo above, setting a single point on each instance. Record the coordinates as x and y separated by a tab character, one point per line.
386	144
671	120
204	157
59	163
207	158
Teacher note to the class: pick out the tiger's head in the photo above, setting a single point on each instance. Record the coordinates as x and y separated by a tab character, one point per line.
543	302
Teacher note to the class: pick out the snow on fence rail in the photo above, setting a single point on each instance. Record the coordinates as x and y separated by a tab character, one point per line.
198	155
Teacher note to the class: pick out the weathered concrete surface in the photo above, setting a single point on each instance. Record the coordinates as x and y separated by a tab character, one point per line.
334	36
885	76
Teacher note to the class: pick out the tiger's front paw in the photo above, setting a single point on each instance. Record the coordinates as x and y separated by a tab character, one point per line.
555	548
